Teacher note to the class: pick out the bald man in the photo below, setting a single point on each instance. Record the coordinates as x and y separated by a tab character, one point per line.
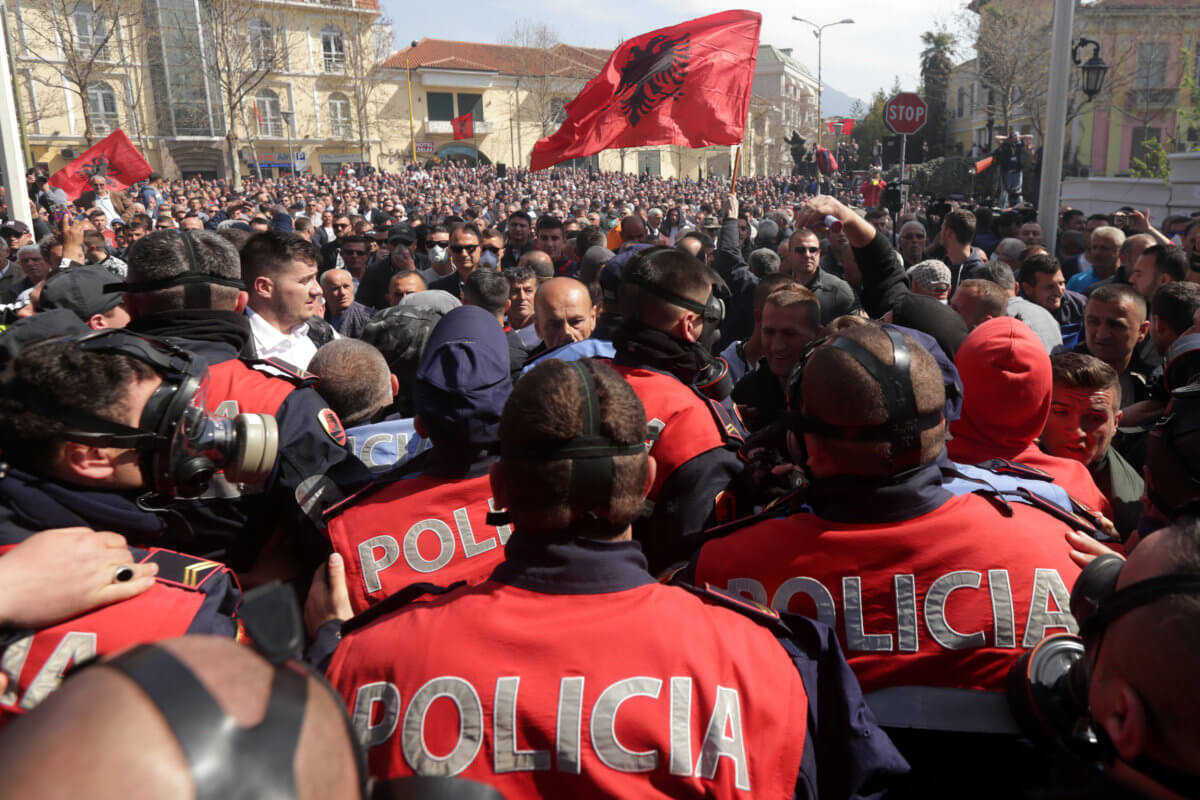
121	746
563	313
347	316
540	263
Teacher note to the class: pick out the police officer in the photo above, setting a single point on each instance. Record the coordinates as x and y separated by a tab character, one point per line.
624	687
670	322
187	287
69	415
427	520
926	604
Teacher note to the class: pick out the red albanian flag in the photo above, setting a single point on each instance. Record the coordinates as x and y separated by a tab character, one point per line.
847	127
983	163
687	85
464	126
114	157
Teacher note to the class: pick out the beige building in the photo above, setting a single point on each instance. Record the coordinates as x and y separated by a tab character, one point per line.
163	71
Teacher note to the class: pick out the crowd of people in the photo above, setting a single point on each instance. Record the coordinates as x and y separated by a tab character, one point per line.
451	484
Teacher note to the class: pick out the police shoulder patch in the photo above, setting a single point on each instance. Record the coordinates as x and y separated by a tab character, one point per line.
332	424
763	615
180	570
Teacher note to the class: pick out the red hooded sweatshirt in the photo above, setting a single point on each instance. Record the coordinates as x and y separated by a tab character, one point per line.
1007	384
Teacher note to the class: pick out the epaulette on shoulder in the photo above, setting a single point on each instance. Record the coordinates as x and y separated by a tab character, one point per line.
1082	519
278	368
183	571
763	615
728	422
400	599
1003	466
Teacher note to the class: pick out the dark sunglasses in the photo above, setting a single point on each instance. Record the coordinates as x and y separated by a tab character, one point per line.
355	253
464	248
803	250
488	248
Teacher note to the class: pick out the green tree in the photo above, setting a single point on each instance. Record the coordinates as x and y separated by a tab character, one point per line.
936	64
1152	163
869	124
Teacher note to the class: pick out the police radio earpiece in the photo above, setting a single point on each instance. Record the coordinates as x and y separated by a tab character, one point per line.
1048	685
904	424
182	446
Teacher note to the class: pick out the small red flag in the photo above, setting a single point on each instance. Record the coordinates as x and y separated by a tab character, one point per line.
688	85
847	127
831	124
983	164
464	126
114	157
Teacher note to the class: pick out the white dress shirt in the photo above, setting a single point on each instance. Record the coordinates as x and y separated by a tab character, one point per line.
295	348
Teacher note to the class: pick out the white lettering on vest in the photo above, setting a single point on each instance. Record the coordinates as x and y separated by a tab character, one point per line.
723	736
935	610
856	636
470	728
507	758
569	725
1047	583
608	748
365	700
11	664
72	648
228	409
372	566
726	716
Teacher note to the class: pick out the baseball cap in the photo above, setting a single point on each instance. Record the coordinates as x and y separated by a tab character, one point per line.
80	289
402	233
14	226
931	275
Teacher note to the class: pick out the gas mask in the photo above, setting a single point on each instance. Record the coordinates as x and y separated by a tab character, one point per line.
181	446
1048	686
438	254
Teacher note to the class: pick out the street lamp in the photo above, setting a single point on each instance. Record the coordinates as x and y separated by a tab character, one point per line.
287	120
817	31
1093	70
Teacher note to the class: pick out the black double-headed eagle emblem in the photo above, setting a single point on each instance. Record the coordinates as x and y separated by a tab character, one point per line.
653	74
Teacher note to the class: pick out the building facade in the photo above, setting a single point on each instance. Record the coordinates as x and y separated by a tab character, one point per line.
784	101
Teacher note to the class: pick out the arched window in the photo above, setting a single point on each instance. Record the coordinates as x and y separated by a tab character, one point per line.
102	108
262	45
270	121
333	50
92	33
339	116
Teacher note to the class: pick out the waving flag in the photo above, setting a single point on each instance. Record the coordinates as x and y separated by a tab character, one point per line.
847	127
464	126
687	85
114	157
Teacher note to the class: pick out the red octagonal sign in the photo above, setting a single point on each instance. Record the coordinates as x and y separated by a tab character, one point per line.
905	113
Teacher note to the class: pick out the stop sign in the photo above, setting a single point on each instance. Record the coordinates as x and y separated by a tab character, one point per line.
905	113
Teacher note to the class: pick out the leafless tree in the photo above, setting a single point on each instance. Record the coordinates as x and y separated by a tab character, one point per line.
545	79
368	46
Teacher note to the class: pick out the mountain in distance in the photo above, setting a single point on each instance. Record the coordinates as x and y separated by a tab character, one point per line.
835	103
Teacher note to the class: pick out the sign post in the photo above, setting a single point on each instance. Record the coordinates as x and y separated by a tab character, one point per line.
905	113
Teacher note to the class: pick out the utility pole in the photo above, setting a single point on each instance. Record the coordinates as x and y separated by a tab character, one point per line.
818	30
1056	119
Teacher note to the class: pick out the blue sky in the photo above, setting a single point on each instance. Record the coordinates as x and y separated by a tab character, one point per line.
859	58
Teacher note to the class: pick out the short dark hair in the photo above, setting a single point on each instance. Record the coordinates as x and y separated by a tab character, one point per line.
668	268
1082	371
165	254
488	289
589	236
1071	213
543	413
271	252
72	379
1116	292
548	222
1039	264
1105	218
521	215
1175	303
1169	260
519	274
997	272
961	223
993	299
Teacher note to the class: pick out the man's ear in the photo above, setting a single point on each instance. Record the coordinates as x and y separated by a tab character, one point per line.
395	382
1125	722
682	329
1143	330
263	286
84	463
651	473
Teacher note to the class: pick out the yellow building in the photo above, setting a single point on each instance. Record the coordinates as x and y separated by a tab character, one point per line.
163	72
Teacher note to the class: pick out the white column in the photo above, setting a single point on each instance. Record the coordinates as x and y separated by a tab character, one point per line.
1056	120
12	158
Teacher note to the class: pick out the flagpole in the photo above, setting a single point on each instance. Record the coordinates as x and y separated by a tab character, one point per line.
737	163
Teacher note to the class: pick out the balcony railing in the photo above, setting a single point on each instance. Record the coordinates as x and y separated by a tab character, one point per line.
335	63
1152	97
443	126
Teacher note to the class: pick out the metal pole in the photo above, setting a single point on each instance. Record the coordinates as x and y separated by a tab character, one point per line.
12	159
819	86
1056	118
412	130
291	152
903	152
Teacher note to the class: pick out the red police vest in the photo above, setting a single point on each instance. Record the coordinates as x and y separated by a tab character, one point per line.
647	692
681	423
415	530
35	663
946	599
236	388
